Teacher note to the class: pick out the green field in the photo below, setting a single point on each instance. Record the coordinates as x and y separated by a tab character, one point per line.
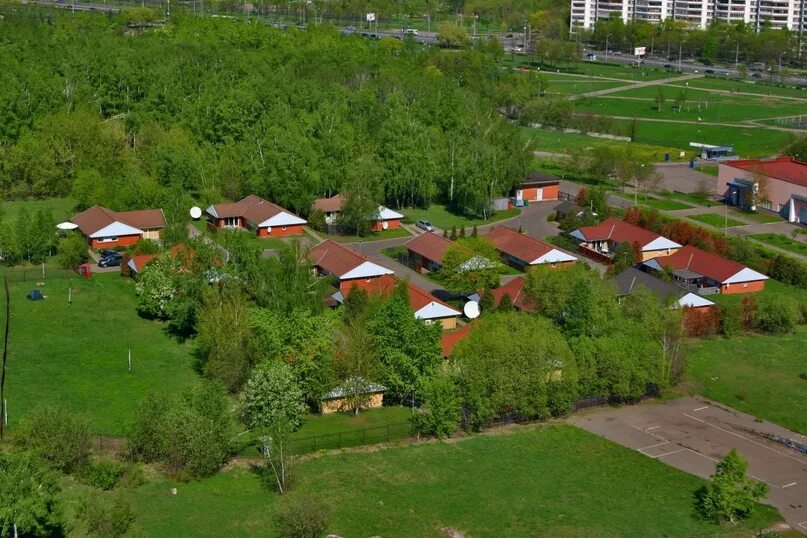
559	142
61	208
690	198
753	216
558	479
372	236
582	85
748	142
747	86
442	218
595	69
782	241
261	243
718	221
765	376
76	357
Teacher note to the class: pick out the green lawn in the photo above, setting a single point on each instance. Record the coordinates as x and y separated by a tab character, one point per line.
373	236
559	142
665	205
562	241
61	208
442	218
76	356
261	243
765	376
747	86
711	169
718	221
558	479
761	218
693	199
782	241
345	422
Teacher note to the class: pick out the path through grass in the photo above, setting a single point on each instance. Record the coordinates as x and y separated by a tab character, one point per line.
718	221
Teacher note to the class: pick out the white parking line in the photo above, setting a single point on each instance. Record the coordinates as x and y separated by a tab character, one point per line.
668	453
652	446
694	418
701	408
788	485
803	524
651	428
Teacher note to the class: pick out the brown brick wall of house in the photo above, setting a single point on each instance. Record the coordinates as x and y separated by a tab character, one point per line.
373	285
278	231
123	241
746	287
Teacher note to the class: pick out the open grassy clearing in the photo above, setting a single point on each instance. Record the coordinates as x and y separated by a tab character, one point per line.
76	356
744	377
747	86
580	86
61	208
774	290
711	169
344	422
441	217
782	241
718	221
748	142
558	142
261	243
558	479
693	199
660	204
372	236
717	108
596	69
753	216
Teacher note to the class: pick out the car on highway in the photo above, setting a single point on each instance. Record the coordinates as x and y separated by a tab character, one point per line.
757	75
111	261
725	73
410	31
425	225
709	71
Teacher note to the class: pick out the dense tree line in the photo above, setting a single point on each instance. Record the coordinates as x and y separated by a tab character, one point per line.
205	109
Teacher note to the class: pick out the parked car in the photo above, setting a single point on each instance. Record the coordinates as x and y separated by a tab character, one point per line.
106	252
725	73
756	75
351	28
111	261
425	225
709	71
410	31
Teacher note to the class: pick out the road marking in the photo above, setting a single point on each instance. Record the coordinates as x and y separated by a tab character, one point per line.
652	446
668	453
803	524
701	408
788	485
694	418
652	428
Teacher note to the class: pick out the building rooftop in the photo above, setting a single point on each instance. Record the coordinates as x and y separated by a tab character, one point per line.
528	249
785	168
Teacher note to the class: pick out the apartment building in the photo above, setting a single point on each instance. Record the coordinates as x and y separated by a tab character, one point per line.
791	14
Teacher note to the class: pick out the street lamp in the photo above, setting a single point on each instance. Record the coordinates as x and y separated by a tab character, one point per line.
680	48
780	65
737	56
606	47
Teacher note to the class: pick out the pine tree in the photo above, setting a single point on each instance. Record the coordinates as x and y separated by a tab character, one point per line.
474	232
453	235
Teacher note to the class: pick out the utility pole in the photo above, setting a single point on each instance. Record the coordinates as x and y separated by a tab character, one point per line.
606	47
737	55
680	48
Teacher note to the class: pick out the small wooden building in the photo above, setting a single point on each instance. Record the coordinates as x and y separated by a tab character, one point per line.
353	394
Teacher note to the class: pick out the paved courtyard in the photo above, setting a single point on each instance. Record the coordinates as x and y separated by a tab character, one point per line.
692	434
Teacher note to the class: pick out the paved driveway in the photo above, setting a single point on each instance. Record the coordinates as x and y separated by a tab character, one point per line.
692	434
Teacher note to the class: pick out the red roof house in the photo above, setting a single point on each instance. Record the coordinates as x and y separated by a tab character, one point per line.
536	188
603	238
105	228
521	250
699	270
256	214
515	290
449	340
431	309
785	191
385	219
350	269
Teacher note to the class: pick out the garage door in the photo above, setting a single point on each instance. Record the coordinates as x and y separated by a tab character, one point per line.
803	215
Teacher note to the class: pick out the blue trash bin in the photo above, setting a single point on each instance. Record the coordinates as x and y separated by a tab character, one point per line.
666	157
692	163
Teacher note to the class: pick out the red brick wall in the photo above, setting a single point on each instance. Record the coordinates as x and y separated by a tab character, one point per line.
278	231
749	287
551	192
220	223
376	284
391	225
530	193
123	241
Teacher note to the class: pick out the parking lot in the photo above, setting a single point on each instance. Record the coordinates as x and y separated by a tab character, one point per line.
692	434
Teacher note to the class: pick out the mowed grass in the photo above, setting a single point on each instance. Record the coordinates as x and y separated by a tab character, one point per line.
718	221
748	142
559	142
372	236
252	239
441	217
346	422
61	208
666	205
782	241
549	481
76	357
743	86
765	376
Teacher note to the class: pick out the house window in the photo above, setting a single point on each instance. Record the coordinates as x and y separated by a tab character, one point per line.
283	228
367	279
107	239
231	222
745	284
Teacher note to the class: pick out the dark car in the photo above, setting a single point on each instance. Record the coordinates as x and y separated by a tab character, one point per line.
668	66
757	75
105	252
709	71
111	261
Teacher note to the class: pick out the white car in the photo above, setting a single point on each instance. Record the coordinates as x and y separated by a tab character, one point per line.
410	31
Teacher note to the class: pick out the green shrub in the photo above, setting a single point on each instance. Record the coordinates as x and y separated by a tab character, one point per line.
440	414
779	316
102	475
72	251
302	516
731	322
133	476
61	438
105	518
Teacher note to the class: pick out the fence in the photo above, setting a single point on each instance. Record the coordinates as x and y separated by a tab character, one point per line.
346	439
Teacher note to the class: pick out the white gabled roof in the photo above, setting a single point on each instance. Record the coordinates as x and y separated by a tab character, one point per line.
554	256
365	270
385	213
577	234
282	219
131	265
653	264
211	210
745	275
116	229
660	243
435	310
694	300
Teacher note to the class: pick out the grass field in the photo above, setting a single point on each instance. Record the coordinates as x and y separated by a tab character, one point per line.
711	169
752	216
559	142
76	356
718	221
442	218
558	479
782	241
373	236
665	205
743	378
60	208
747	86
261	243
689	198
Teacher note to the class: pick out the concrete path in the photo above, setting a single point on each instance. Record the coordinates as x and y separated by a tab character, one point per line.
692	434
629	86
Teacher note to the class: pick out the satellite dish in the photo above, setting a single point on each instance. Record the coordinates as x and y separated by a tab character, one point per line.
67	226
471	310
268	229
384	225
196	212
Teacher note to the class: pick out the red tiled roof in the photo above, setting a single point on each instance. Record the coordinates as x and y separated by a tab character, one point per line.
786	169
141	260
330	205
429	245
337	259
619	231
450	340
253	208
518	245
515	289
98	217
419	298
705	263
